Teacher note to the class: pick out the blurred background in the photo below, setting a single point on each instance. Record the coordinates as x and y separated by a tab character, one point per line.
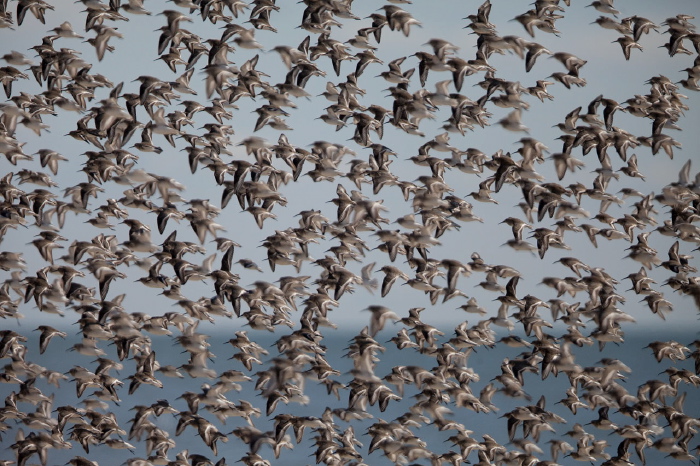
606	72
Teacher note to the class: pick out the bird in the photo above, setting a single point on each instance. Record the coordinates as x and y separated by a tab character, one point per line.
47	333
87	237
627	43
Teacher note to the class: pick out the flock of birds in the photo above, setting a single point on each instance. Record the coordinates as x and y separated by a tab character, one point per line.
122	124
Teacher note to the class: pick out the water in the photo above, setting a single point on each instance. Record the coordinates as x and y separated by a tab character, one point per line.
485	362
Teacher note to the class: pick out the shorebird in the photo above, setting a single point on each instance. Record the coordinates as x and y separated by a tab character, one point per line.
57	200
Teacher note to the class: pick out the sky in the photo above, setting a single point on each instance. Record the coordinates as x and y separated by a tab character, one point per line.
605	71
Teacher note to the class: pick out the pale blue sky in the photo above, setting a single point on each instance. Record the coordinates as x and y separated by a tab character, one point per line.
606	72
